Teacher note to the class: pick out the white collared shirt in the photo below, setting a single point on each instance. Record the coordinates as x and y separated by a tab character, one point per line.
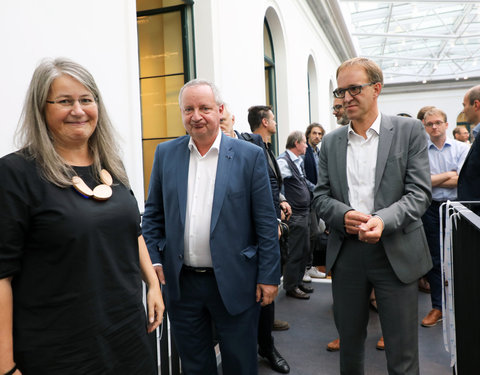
202	173
361	165
285	169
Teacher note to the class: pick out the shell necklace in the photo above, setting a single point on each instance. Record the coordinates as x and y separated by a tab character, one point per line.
101	192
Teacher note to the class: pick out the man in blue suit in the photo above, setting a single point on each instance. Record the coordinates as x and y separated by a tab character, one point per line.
210	222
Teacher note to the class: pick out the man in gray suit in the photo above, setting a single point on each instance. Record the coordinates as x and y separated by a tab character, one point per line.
373	187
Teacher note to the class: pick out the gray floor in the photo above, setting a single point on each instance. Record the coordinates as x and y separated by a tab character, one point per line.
312	327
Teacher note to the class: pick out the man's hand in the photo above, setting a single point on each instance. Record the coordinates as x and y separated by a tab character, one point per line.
266	293
160	275
353	219
286	209
371	231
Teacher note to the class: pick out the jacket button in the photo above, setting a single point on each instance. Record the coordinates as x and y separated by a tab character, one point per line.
180	256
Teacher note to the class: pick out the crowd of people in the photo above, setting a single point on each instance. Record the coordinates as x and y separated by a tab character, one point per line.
226	222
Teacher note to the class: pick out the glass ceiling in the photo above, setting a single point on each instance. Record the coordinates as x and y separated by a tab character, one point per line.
421	41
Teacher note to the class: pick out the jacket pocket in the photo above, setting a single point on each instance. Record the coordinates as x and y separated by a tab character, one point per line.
250	252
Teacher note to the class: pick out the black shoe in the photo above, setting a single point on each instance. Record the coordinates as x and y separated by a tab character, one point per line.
305	289
277	362
297	293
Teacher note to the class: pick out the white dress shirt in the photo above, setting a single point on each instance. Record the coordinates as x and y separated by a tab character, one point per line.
361	164
202	173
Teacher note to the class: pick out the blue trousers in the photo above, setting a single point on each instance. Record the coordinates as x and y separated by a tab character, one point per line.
191	318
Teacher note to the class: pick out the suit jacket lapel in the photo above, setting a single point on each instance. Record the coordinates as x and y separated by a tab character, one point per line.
341	157
182	163
225	158
384	144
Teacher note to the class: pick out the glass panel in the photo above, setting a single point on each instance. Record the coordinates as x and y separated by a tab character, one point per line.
155	4
267	43
148	154
160	112
160	44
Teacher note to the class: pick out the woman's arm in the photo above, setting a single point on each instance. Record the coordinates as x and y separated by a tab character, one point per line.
154	295
6	318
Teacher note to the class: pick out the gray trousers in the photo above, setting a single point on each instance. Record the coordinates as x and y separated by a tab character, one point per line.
298	250
359	268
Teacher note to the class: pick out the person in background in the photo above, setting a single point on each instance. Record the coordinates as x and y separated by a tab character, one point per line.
72	255
313	134
298	195
461	134
422	111
446	158
468	188
266	347
212	233
339	112
423	284
373	187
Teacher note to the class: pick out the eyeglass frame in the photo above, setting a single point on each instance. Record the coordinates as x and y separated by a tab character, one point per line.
337	93
337	107
71	102
436	123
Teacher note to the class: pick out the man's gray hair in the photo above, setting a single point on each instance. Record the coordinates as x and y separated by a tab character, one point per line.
293	137
201	82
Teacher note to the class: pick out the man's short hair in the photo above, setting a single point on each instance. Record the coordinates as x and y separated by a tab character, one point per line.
473	94
310	128
436	111
293	137
457	130
423	110
256	114
374	72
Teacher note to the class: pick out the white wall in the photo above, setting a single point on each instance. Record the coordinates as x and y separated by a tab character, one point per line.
450	101
229	50
101	35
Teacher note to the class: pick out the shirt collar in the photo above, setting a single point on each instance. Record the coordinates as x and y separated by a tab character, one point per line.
292	156
448	142
214	146
374	127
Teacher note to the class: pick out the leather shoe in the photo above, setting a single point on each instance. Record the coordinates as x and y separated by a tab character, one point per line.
305	289
380	344
280	325
334	346
277	362
432	318
297	293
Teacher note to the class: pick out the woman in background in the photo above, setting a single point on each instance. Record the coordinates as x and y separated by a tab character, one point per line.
71	251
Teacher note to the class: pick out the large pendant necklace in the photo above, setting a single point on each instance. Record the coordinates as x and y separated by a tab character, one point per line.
101	192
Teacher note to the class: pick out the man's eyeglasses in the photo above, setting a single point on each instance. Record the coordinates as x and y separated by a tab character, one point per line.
436	123
352	90
69	102
337	107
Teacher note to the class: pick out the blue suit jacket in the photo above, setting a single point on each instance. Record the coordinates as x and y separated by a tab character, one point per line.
243	229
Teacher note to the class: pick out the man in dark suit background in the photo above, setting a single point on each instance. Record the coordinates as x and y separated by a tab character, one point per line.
373	187
266	347
469	179
211	231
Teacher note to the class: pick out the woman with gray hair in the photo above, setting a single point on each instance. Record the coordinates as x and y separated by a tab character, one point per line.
71	251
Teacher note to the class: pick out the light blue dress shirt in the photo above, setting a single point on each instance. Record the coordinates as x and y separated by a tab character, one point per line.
449	158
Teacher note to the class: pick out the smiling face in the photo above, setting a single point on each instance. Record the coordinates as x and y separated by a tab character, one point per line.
70	126
201	114
363	106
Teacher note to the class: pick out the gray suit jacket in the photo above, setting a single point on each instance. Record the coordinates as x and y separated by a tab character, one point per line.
402	193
